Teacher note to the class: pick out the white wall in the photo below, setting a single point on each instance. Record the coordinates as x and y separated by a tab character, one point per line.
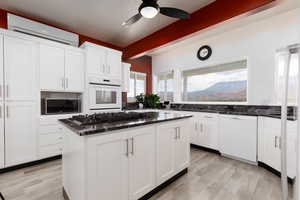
257	41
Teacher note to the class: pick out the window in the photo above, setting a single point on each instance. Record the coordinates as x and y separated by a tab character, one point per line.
165	86
282	60
221	83
137	85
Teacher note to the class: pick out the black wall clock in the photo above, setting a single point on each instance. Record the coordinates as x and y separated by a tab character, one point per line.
204	52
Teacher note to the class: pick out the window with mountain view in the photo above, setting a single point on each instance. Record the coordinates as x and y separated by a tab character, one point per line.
165	86
221	83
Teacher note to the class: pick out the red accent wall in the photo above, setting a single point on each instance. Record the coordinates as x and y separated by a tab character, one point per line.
214	13
143	64
82	38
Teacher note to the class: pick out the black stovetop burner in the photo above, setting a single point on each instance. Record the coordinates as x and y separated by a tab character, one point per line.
99	118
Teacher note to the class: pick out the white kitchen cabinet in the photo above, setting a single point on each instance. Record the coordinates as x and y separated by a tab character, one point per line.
125	76
103	62
74	70
52	68
107	169
21	133
1	105
114	63
20	71
141	162
172	156
205	130
269	152
61	69
238	137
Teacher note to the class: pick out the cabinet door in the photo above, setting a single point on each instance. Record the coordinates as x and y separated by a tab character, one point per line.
238	137
21	133
1	106
113	65
74	71
107	168
182	146
20	61
141	162
210	132
52	68
96	61
165	141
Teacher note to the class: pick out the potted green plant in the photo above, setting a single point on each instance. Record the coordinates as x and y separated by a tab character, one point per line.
140	99
152	100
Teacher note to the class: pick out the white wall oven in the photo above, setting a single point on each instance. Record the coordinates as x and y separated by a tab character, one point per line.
104	97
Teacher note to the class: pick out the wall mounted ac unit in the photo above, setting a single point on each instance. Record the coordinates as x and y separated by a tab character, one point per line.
37	29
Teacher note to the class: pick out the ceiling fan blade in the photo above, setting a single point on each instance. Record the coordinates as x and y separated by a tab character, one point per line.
132	20
175	12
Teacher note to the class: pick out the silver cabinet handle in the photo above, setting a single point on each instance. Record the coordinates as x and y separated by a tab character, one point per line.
7	91
277	142
7	112
175	134
179	133
67	82
132	146
127	147
201	128
236	118
208	117
63	83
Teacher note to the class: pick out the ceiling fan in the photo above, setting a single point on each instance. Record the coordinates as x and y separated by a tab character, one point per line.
150	8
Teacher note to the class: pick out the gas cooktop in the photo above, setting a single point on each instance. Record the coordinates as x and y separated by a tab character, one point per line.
99	118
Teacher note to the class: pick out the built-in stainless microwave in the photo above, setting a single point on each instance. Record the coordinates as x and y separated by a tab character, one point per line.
51	106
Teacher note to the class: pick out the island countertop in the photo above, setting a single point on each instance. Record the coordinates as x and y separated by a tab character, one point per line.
105	128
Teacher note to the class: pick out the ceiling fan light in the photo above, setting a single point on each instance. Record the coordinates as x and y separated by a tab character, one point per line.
149	12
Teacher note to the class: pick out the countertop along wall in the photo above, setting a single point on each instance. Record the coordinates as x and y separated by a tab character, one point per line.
256	41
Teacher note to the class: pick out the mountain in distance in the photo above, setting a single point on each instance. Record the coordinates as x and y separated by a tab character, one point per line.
222	91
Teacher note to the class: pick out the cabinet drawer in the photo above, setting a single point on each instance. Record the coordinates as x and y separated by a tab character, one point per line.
51	128
50	139
50	150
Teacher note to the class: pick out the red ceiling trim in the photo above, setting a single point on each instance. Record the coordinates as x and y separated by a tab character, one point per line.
82	38
216	12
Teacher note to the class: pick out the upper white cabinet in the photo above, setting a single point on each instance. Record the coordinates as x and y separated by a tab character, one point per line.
61	69
20	75
238	136
269	149
172	156
205	130
103	62
74	70
125	76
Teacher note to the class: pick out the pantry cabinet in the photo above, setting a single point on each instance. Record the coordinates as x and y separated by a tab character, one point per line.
61	69
205	130
103	62
269	140
20	100
172	149
1	105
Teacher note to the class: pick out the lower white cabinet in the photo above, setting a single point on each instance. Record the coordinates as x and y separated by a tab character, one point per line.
123	165
205	130
173	150
238	136
21	132
269	152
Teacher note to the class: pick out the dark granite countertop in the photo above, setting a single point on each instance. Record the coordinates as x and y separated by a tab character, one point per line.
104	128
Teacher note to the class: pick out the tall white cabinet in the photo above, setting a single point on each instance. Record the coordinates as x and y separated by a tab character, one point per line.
20	100
1	105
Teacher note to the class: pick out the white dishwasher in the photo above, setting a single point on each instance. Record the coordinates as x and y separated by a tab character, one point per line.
238	137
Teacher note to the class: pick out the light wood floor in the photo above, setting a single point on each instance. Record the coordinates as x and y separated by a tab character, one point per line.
210	177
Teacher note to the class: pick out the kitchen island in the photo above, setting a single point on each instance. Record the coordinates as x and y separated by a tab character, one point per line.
123	156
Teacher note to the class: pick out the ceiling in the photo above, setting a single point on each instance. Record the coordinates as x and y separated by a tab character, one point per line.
99	19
